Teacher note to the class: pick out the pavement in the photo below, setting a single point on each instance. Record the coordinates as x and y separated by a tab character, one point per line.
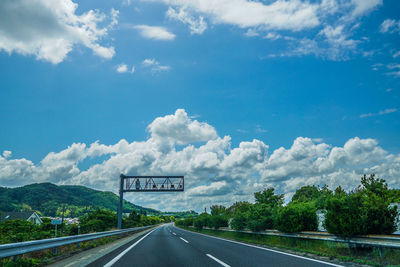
88	256
168	245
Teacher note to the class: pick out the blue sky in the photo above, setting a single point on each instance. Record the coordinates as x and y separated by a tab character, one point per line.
272	71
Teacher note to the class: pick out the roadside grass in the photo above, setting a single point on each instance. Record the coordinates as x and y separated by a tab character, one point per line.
325	250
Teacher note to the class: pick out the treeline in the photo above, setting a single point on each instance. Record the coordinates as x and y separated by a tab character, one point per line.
96	221
364	210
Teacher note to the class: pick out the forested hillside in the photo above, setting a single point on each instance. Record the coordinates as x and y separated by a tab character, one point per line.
50	199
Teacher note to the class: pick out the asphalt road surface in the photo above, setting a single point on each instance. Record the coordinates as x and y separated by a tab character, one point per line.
170	246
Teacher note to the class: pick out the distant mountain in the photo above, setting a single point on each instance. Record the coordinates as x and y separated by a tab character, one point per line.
50	199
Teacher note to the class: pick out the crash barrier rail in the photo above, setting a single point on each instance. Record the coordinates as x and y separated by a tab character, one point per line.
381	241
15	249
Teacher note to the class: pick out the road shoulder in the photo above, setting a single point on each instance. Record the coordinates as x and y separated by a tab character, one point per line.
88	256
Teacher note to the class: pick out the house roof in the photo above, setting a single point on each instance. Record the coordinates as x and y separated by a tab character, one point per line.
14	215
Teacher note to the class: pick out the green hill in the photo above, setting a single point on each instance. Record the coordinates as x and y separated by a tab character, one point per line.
50	199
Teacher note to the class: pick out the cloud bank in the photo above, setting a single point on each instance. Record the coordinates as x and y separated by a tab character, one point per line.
49	30
215	172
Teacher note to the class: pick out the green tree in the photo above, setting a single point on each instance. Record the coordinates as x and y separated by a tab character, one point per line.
98	221
218	210
346	215
297	217
267	196
239	221
363	211
261	217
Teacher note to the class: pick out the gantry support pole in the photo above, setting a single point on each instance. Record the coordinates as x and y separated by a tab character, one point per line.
121	197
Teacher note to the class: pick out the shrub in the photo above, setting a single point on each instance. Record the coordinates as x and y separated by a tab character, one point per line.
239	221
297	217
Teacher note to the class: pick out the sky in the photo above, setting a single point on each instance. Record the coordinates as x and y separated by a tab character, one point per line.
235	95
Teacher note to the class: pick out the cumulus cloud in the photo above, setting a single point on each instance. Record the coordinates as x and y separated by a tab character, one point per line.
155	32
215	172
50	29
123	68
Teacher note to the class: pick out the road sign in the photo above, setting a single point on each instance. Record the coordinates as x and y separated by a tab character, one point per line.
55	221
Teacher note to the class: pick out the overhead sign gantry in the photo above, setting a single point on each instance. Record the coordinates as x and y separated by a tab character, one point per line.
147	184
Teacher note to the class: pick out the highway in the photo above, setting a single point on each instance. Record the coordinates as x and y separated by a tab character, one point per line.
168	245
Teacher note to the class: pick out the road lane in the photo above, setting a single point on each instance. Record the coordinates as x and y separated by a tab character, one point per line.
161	248
168	245
239	254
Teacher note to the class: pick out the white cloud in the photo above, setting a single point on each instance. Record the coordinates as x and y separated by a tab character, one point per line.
180	129
50	29
155	65
390	26
196	26
395	70
7	154
215	172
382	112
272	36
155	32
291	15
363	6
251	33
123	68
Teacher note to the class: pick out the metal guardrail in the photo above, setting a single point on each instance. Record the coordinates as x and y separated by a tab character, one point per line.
14	249
388	241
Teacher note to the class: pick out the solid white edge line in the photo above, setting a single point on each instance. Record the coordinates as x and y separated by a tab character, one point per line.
217	260
184	240
268	249
110	263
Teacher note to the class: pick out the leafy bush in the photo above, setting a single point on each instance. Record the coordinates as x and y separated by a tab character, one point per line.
239	221
202	220
297	217
261	217
363	211
217	221
98	221
346	215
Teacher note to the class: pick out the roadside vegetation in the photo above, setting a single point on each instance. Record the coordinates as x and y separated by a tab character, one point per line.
97	221
364	210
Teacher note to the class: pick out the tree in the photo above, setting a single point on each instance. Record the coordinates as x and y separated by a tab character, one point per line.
98	221
218	210
239	207
346	215
297	217
261	217
217	221
239	221
267	196
202	220
313	194
363	211
306	193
